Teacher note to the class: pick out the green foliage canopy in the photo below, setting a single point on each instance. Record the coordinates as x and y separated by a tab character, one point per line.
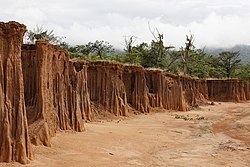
187	60
40	33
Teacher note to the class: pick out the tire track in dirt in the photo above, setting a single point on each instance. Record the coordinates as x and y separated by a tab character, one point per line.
229	126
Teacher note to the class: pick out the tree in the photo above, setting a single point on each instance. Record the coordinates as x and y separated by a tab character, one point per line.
81	51
186	54
101	48
157	54
132	53
39	33
198	64
243	71
64	45
215	71
94	51
129	43
189	60
173	62
229	61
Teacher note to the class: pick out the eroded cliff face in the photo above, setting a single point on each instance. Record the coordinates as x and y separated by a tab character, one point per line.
106	88
14	138
173	92
56	93
120	89
228	90
134	80
43	91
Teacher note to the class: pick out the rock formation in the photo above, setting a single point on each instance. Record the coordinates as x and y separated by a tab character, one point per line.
56	92
136	88
228	90
106	88
43	91
14	138
173	92
119	88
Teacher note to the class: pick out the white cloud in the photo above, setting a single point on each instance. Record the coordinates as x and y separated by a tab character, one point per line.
217	30
213	22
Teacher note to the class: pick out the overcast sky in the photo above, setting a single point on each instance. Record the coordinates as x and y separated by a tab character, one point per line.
214	23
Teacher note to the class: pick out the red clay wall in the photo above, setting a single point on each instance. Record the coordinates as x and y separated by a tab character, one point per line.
228	90
14	138
173	92
42	91
56	92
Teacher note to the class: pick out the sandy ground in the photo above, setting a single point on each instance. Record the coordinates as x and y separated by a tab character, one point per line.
211	136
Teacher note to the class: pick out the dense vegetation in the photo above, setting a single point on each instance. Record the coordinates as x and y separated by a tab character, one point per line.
187	60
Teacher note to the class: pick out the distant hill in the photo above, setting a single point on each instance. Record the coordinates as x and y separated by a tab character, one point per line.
243	49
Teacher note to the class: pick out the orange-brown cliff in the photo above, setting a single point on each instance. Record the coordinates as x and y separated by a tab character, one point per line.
174	92
228	90
43	91
119	88
56	92
14	138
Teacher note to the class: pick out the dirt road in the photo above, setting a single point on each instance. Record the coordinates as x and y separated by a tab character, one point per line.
211	136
